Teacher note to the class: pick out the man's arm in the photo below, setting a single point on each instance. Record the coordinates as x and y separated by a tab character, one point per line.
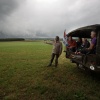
91	46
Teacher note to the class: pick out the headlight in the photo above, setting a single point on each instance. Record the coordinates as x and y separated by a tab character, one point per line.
92	67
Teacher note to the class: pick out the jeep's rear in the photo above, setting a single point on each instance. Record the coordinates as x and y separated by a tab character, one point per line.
90	61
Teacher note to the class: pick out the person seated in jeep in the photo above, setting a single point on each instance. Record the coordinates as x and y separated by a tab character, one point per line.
85	44
92	48
79	43
71	44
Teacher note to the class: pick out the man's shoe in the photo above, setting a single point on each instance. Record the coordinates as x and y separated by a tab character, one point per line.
49	65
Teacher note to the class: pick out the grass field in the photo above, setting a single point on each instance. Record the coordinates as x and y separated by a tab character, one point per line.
24	75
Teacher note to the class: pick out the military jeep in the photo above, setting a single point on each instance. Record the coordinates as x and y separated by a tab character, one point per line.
86	61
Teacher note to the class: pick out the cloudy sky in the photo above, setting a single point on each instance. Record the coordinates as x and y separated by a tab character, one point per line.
46	18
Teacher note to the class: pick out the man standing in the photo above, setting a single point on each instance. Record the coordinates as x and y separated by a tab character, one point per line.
56	52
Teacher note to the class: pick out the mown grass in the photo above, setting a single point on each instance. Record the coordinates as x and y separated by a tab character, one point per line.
24	75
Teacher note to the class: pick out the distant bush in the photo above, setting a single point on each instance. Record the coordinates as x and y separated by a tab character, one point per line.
12	39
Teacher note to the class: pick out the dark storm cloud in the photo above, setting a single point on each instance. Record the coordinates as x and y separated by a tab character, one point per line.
7	7
46	18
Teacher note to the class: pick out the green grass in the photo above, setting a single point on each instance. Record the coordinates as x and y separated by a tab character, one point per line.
24	75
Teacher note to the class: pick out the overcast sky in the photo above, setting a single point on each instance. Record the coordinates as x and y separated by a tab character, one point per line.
46	18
